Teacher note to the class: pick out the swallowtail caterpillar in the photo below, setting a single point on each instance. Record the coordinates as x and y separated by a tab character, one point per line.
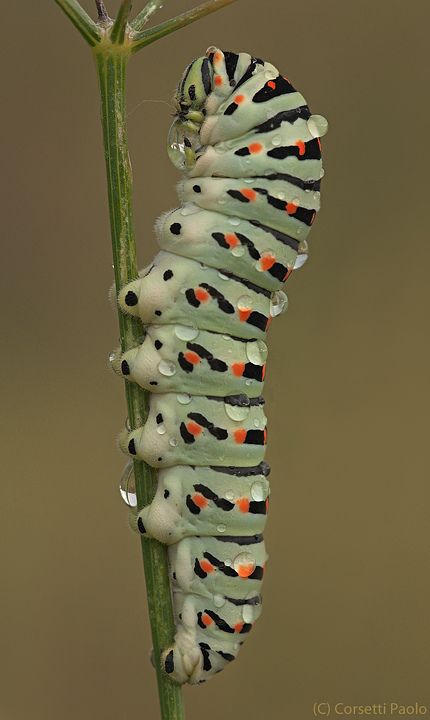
250	150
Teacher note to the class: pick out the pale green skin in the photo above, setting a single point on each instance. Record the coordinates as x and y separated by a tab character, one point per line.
195	258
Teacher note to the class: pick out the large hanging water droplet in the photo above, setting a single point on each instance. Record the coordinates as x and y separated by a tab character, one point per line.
302	255
278	303
183	398
245	302
186	332
127	486
256	352
244	564
237	412
167	368
257	491
178	139
317	125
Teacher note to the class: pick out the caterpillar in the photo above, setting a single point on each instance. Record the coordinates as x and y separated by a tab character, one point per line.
250	150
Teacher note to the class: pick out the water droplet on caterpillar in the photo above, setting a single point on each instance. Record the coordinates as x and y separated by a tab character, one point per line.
317	125
183	398
127	485
173	442
178	139
244	564
229	495
223	277
166	368
248	613
189	209
256	352
257	491
226	337
276	140
221	528
302	255
322	172
238	251
245	302
219	600
267	259
161	429
112	356
228	563
186	332
237	412
234	221
278	303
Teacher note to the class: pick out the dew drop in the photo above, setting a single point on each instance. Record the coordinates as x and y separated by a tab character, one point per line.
161	429
248	382
245	302
229	495
257	491
237	412
221	528
302	255
226	337
223	277
166	368
176	143
229	563
127	486
256	352
173	442
249	181
186	332
248	613
238	251
221	201
317	125
322	173
189	209
112	356
281	196
276	140
244	564
234	220
278	303
219	600
183	398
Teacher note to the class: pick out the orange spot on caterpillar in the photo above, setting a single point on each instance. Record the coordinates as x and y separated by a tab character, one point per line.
206	619
240	435
218	56
218	80
192	357
243	504
271	84
291	208
313	217
199	500
319	144
231	239
238	627
194	429
244	315
255	147
201	294
302	147
287	274
245	571
206	566
265	436
239	99
267	505
263	371
267	262
238	369
249	193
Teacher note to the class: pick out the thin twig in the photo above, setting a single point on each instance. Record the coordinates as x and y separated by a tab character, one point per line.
102	12
118	31
142	18
80	20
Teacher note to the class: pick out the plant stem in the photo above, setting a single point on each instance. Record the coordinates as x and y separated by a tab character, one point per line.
142	18
111	66
80	20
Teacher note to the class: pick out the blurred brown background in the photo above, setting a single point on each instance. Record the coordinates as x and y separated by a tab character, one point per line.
347	591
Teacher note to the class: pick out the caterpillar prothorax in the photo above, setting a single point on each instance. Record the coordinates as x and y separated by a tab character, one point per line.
251	153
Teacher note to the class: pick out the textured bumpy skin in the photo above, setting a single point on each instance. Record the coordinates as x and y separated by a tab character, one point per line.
251	152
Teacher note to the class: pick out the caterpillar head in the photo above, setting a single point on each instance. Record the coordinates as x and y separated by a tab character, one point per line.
192	92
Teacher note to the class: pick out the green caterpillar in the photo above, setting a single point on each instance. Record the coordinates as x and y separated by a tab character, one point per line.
251	153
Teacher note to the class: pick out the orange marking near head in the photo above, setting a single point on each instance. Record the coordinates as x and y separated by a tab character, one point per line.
218	80
206	619
265	436
267	262
238	369
218	56
255	147
239	99
194	429
206	566
240	435
263	371
244	315
249	193
199	500
192	357
313	217
271	84
287	274
201	294
243	504
291	208
267	505
231	240
319	144
245	571
302	147
238	627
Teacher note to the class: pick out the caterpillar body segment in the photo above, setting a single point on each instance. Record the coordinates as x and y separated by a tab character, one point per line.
250	149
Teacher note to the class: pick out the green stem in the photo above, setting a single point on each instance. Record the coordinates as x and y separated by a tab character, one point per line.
111	66
142	18
159	31
80	20
117	34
